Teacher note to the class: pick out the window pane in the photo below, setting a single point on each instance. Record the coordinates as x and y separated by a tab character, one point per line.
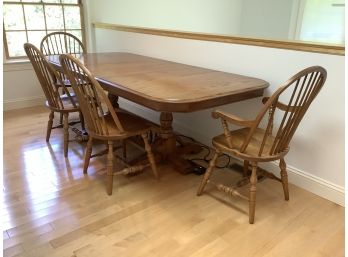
51	1
54	17
72	17
35	37
31	1
322	22
15	42
76	33
70	1
13	0
13	17
34	17
55	30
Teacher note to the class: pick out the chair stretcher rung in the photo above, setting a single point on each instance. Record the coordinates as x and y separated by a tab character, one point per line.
229	190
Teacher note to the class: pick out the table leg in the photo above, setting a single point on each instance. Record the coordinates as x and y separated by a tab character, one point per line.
166	133
114	100
167	146
168	149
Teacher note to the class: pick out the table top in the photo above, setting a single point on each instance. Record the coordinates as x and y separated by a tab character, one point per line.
167	86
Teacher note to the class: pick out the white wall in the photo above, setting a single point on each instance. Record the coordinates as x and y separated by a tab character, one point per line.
263	18
21	87
266	18
210	16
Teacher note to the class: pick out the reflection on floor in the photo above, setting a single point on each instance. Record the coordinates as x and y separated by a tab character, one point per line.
50	208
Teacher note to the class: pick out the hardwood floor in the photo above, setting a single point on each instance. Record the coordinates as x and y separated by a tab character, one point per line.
50	208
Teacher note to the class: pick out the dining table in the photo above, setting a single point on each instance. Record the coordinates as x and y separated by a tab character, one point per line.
167	87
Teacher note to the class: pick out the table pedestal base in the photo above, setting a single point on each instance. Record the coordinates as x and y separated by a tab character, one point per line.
168	148
165	148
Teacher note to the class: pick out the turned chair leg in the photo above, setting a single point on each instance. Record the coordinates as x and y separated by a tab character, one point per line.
284	177
88	154
207	173
82	121
110	168
124	149
66	133
49	125
252	192
61	118
150	156
246	168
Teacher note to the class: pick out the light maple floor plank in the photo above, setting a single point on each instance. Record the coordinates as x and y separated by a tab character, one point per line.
50	208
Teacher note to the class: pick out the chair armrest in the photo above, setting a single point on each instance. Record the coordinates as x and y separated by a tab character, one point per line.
232	118
265	99
280	105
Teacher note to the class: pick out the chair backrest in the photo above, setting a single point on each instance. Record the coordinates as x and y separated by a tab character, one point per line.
93	100
61	43
288	104
47	76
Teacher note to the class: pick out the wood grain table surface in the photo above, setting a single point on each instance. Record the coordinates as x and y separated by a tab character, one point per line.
167	86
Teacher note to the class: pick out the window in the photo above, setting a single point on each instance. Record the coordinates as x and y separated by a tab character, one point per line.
323	21
30	20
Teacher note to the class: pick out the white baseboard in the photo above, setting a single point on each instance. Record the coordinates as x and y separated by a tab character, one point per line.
309	182
23	103
297	177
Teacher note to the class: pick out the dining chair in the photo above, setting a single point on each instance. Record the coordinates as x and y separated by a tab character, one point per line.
104	122
267	137
61	43
56	102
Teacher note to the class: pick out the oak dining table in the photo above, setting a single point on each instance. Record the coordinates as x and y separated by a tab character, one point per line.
166	87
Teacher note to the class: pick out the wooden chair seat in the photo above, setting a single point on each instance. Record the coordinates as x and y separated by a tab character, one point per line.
67	105
134	125
65	81
238	138
259	141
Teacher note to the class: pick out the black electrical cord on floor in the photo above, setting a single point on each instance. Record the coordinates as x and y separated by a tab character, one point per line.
205	158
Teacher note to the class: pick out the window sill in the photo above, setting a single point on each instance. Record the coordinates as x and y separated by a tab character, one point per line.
17	65
15	61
